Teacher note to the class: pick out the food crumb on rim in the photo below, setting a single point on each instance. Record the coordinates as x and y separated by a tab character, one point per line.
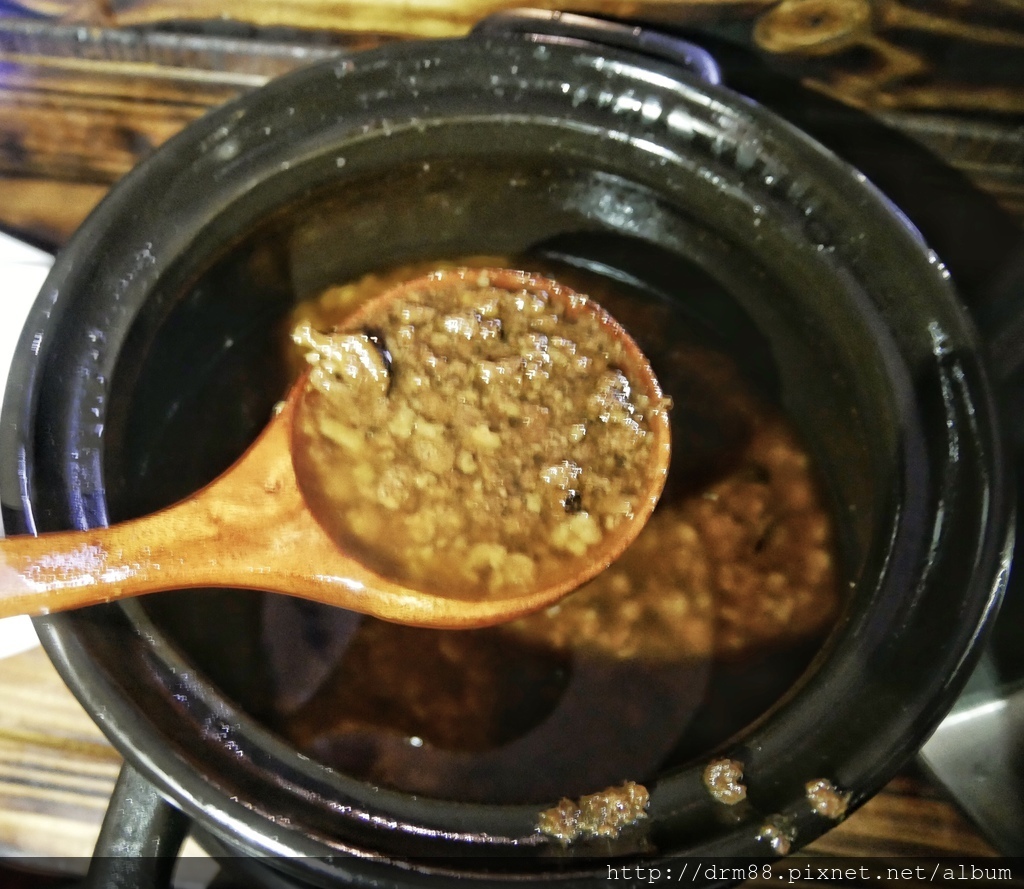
779	833
724	781
603	814
826	799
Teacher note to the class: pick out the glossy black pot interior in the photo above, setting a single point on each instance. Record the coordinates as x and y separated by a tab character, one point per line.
154	357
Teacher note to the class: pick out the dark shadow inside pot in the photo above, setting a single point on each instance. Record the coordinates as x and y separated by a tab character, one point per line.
206	361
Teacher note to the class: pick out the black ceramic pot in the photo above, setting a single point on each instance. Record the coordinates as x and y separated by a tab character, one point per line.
145	368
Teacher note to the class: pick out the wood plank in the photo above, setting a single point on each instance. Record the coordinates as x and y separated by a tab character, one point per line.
909	817
92	138
90	120
46	211
56	769
229	56
420	18
947	54
988	151
86	105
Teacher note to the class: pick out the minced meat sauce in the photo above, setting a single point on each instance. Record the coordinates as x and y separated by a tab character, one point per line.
479	434
691	634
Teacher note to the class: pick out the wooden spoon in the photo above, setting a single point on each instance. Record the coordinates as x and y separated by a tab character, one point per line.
253	528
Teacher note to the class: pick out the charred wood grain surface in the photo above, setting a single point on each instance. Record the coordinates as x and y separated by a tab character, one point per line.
913	54
88	88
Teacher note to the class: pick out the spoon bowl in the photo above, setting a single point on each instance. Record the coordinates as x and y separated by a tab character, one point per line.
254	527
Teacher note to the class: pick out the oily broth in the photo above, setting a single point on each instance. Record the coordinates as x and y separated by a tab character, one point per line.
695	631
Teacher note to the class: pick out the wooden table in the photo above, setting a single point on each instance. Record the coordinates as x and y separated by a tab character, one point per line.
83	99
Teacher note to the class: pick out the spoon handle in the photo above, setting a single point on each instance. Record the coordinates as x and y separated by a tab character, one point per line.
70	569
228	534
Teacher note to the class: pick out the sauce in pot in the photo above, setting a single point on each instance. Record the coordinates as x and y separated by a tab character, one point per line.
702	623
